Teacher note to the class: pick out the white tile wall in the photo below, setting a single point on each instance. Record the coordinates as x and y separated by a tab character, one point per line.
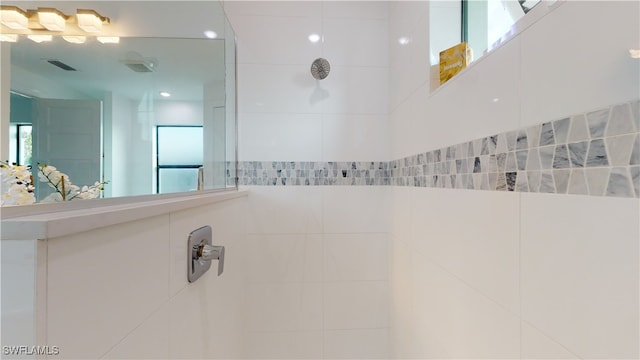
141	305
355	209
515	276
579	279
608	77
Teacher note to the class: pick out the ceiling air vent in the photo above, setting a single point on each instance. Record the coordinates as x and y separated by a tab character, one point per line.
61	65
140	66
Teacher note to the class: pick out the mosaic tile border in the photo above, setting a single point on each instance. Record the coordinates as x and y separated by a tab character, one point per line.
595	153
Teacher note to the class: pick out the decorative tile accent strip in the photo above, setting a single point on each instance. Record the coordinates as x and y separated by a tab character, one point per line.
597	153
313	173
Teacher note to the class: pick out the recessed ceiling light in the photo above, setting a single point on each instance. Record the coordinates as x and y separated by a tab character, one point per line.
164	94
314	38
210	34
404	40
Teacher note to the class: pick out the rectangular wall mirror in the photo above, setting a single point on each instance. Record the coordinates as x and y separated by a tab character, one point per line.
154	113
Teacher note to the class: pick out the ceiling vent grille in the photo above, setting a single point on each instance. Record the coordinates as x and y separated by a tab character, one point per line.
61	65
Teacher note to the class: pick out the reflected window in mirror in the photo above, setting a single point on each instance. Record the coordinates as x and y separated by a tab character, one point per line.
20	143
179	152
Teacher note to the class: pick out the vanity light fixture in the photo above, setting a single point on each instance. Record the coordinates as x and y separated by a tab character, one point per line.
52	19
108	39
75	39
40	38
8	37
13	17
90	21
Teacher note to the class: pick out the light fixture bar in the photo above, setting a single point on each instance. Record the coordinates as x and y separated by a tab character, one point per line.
108	39
73	39
13	17
8	37
52	19
40	38
90	21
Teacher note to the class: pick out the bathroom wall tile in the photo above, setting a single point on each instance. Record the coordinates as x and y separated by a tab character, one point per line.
635	178
284	258
561	130
548	79
354	137
197	326
356	344
597	122
578	129
561	157
355	9
534	178
521	158
356	305
355	210
620	183
533	160
635	152
561	179
284	210
533	134
557	297
597	179
635	109
297	91
578	153
597	155
621	121
277	39
280	307
547	185
355	41
547	136
491	80
280	136
578	183
619	149
149	340
400	213
546	156
407	57
484	252
459	322
86	321
19	290
272	8
284	345
536	345
353	90
350	257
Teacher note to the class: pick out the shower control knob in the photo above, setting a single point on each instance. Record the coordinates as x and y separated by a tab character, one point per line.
211	252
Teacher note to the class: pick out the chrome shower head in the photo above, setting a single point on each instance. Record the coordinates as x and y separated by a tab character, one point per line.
320	68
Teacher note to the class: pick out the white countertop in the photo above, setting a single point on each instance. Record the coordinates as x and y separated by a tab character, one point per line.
56	222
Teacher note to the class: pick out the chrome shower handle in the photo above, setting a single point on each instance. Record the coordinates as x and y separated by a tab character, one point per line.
211	252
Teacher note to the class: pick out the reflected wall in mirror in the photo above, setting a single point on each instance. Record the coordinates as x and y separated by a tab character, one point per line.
149	114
